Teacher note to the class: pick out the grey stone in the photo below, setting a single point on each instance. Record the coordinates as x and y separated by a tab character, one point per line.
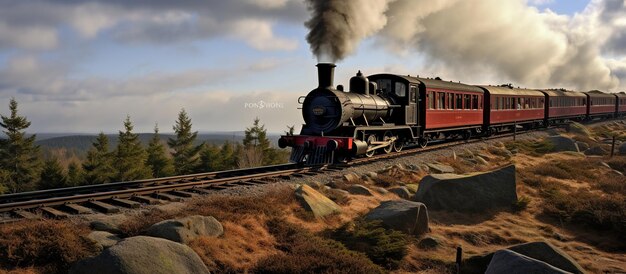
562	143
582	146
440	168
103	239
184	230
475	192
401	191
143	255
510	262
381	190
315	202
596	151
550	254
351	177
622	149
109	223
359	190
429	243
406	216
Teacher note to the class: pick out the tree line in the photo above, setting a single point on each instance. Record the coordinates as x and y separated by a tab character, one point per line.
22	167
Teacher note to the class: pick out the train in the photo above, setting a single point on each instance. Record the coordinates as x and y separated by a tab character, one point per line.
383	113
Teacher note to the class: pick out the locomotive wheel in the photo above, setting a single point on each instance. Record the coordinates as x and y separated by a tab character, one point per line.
422	142
370	139
388	149
397	146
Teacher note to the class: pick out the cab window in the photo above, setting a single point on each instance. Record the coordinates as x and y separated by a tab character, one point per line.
384	85
400	89
413	94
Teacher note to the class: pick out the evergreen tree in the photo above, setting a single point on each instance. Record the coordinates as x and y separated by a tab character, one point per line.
184	151
99	164
257	147
130	157
210	159
229	158
52	175
4	177
19	156
75	174
158	161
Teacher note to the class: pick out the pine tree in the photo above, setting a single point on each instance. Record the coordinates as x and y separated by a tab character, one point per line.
130	157
185	152
99	164
210	159
229	159
75	174
257	147
158	161
4	177
52	175
19	156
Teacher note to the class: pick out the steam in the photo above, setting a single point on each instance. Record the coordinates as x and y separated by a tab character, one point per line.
337	26
478	39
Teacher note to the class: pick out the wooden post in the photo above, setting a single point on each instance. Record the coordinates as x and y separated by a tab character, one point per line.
459	259
613	146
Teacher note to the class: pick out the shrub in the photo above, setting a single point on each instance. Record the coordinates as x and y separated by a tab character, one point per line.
303	252
618	163
569	169
51	245
521	204
384	247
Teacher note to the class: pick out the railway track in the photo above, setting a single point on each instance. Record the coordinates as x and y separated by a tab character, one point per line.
110	198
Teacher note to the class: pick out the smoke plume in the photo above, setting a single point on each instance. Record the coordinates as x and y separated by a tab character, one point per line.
337	26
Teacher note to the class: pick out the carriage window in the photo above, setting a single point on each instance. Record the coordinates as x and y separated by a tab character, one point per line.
459	101
441	100
413	94
497	103
474	101
503	103
400	89
450	100
431	100
468	101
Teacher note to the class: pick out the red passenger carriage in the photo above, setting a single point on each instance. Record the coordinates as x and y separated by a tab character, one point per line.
508	106
565	105
600	104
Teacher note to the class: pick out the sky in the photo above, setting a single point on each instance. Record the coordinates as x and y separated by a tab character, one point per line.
83	66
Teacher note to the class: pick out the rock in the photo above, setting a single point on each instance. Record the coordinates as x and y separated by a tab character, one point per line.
579	129
408	217
103	239
315	184
401	191
562	143
510	262
143	255
552	132
550	254
429	243
481	160
351	178
184	230
412	187
359	190
381	190
596	151
316	202
339	191
440	168
372	175
109	223
582	146
622	149
474	192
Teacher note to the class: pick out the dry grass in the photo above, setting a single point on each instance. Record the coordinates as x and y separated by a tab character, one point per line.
48	246
242	246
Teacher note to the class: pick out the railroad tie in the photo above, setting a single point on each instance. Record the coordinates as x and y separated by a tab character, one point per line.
183	193
104	207
26	215
147	200
168	197
126	203
78	209
54	213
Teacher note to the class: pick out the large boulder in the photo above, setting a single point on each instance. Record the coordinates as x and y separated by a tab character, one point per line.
406	216
596	151
510	262
184	230
473	192
541	251
143	255
316	202
582	146
562	143
622	149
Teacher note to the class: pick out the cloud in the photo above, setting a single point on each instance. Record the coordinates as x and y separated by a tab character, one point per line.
37	24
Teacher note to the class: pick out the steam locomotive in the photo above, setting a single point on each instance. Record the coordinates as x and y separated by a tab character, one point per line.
383	113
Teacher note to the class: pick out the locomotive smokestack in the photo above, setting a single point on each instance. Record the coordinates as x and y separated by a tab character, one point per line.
325	74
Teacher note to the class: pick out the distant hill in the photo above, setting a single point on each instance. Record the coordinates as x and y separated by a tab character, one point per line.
82	143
